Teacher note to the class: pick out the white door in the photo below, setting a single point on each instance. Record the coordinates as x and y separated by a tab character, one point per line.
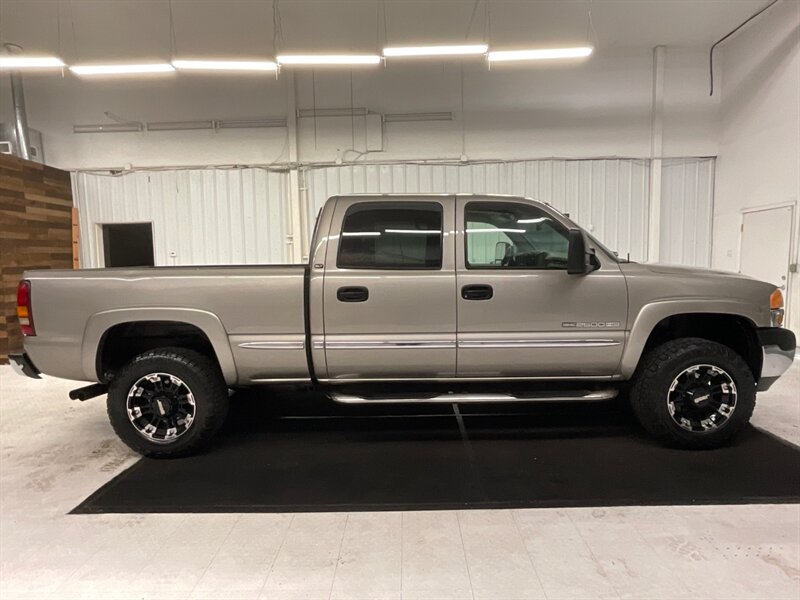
766	243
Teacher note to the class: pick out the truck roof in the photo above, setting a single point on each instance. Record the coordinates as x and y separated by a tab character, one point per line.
417	195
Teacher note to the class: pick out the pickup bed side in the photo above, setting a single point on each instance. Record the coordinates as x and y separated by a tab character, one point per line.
252	317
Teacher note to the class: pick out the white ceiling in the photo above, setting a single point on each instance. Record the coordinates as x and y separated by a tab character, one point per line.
96	30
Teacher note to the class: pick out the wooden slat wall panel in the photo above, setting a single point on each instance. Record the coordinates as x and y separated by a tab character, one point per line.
36	232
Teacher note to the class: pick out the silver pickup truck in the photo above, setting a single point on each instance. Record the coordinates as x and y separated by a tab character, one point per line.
413	298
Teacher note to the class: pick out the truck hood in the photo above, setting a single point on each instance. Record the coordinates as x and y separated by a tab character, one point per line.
700	290
679	270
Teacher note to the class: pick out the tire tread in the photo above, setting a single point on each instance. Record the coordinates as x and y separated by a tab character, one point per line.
213	382
646	393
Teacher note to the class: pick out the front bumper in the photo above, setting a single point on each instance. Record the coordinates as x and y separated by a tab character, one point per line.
778	346
22	364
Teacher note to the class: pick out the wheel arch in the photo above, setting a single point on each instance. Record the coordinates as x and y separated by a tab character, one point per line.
731	323
203	330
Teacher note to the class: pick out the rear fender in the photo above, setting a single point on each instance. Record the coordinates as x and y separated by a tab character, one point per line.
206	322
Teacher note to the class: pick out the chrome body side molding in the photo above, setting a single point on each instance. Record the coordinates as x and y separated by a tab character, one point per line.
530	343
387	344
320	343
273	345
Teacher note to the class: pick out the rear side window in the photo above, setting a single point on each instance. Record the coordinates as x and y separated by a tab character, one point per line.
387	235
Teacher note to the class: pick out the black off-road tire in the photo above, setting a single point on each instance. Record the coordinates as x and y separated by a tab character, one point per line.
200	374
655	374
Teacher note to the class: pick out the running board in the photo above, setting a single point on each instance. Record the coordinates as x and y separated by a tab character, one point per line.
555	396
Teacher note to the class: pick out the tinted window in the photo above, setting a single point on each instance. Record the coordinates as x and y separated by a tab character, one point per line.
513	236
392	236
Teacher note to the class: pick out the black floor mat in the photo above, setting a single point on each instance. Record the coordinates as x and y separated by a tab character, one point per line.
300	453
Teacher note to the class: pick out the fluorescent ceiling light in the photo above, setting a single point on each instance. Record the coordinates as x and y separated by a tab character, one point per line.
122	69
461	50
15	61
248	123
179	125
356	111
541	54
536	220
416	231
328	59
361	233
107	128
408	117
225	65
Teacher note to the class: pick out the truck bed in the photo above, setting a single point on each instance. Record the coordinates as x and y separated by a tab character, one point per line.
252	315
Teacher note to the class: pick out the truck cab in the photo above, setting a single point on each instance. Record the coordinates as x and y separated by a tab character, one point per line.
459	287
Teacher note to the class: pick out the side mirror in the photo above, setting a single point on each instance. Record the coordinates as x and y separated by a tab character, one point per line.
577	263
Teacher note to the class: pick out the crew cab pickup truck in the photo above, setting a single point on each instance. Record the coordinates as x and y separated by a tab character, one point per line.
413	298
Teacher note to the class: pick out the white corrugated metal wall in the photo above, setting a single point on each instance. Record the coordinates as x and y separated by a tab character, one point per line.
199	216
608	197
239	216
687	206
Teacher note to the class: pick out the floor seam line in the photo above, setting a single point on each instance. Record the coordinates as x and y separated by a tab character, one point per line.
222	543
470	452
464	552
338	556
275	558
594	556
402	525
528	554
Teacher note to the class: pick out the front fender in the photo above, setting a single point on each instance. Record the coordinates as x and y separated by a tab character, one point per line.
653	313
207	322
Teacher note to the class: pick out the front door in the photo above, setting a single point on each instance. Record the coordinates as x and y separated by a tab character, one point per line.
519	313
389	289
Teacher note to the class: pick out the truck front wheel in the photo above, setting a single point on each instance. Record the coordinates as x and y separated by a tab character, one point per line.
693	393
167	402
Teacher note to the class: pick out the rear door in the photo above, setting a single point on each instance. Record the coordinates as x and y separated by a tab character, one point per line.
389	289
519	313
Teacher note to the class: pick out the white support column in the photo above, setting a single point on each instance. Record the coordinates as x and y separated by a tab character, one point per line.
656	151
296	237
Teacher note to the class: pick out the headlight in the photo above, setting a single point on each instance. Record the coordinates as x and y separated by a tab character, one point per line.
776	308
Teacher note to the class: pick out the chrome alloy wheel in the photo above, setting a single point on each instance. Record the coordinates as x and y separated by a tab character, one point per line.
701	398
161	407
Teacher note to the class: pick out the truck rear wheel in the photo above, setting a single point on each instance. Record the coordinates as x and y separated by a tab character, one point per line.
693	393
167	402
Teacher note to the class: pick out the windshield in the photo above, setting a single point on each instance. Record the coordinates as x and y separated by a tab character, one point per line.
593	239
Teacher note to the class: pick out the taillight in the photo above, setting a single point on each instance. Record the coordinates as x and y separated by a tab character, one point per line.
24	309
776	308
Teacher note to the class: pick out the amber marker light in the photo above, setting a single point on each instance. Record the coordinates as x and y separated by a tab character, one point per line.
776	308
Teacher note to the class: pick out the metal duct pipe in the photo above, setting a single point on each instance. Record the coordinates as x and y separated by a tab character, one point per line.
20	115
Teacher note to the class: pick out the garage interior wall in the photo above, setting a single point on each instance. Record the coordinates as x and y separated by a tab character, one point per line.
687	204
238	216
199	216
599	108
760	136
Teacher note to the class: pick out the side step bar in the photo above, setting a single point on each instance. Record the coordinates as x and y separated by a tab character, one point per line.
555	396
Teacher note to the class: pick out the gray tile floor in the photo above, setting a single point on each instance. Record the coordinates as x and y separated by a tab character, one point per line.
54	452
